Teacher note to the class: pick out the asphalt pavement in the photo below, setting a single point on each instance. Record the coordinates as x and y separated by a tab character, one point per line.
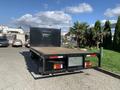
16	64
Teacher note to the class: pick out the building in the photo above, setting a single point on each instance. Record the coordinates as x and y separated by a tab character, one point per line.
6	30
12	33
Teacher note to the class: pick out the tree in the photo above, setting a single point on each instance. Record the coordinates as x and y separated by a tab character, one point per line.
78	30
107	38
97	28
90	37
116	40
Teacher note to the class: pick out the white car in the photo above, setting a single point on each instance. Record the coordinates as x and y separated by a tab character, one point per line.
17	43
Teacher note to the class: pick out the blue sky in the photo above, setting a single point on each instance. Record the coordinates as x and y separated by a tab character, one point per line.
31	12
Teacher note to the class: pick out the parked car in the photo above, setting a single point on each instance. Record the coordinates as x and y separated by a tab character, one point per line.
4	42
17	43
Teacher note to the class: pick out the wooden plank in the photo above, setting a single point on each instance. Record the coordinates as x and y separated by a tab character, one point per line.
57	50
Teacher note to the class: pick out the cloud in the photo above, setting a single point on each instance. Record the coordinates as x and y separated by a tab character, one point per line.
55	19
112	12
81	8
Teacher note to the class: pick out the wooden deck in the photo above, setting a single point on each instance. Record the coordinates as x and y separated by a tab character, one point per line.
57	50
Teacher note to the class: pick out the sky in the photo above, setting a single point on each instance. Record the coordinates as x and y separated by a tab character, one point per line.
57	13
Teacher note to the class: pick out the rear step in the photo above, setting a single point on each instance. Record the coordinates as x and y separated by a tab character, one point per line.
38	76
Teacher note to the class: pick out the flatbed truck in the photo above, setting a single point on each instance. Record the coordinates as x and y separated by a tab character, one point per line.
45	45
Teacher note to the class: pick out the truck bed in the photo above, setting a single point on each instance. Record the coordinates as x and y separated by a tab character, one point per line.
58	50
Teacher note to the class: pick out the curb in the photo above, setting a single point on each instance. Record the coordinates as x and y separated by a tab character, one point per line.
107	72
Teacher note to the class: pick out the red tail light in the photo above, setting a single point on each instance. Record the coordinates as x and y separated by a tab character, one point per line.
88	64
55	57
93	55
58	66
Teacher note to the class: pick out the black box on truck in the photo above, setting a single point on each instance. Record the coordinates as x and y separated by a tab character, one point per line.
45	37
45	45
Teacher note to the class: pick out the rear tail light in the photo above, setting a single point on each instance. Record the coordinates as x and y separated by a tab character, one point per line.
55	57
88	64
58	66
92	55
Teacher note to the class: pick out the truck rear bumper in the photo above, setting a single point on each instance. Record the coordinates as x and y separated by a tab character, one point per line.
39	76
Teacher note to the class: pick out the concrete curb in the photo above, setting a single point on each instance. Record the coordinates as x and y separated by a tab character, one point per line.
107	72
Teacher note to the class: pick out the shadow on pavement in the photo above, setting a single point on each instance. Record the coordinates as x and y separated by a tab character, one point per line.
32	65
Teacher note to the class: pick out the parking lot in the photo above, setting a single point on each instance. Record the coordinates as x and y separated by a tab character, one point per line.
16	64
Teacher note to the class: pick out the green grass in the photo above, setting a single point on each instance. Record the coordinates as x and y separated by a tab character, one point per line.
110	61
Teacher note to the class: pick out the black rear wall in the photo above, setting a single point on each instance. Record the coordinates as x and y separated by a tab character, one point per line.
45	37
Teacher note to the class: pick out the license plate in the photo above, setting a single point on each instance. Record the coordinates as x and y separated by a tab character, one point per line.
75	61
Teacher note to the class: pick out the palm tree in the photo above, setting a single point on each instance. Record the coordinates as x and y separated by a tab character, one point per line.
78	30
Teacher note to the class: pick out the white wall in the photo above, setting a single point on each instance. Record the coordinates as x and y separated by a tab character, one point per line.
21	37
